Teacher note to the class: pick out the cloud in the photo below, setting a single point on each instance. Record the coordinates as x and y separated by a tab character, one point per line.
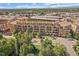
64	5
25	6
36	5
21	6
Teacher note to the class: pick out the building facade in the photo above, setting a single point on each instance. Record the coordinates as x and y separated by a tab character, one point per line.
45	25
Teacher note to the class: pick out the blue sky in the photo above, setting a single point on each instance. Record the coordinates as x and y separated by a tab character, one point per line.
35	5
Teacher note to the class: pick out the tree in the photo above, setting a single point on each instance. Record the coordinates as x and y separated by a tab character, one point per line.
77	50
46	47
23	37
72	33
76	47
35	34
6	47
33	50
17	47
59	50
1	36
76	36
24	49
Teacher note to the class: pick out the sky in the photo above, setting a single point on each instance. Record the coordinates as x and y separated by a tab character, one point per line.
36	5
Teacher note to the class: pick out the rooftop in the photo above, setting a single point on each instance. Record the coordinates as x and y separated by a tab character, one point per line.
47	17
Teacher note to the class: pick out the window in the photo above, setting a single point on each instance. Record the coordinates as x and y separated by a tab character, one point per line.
30	28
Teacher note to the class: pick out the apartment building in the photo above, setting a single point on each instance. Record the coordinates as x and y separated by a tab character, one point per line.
45	25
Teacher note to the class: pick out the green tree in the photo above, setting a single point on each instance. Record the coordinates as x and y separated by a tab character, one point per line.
23	37
6	47
36	34
76	47
33	50
24	49
1	36
46	47
76	36
72	33
59	50
17	47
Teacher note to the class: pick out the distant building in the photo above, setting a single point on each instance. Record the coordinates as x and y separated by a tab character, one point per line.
4	25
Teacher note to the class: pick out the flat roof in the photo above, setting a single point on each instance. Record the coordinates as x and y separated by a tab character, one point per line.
46	17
